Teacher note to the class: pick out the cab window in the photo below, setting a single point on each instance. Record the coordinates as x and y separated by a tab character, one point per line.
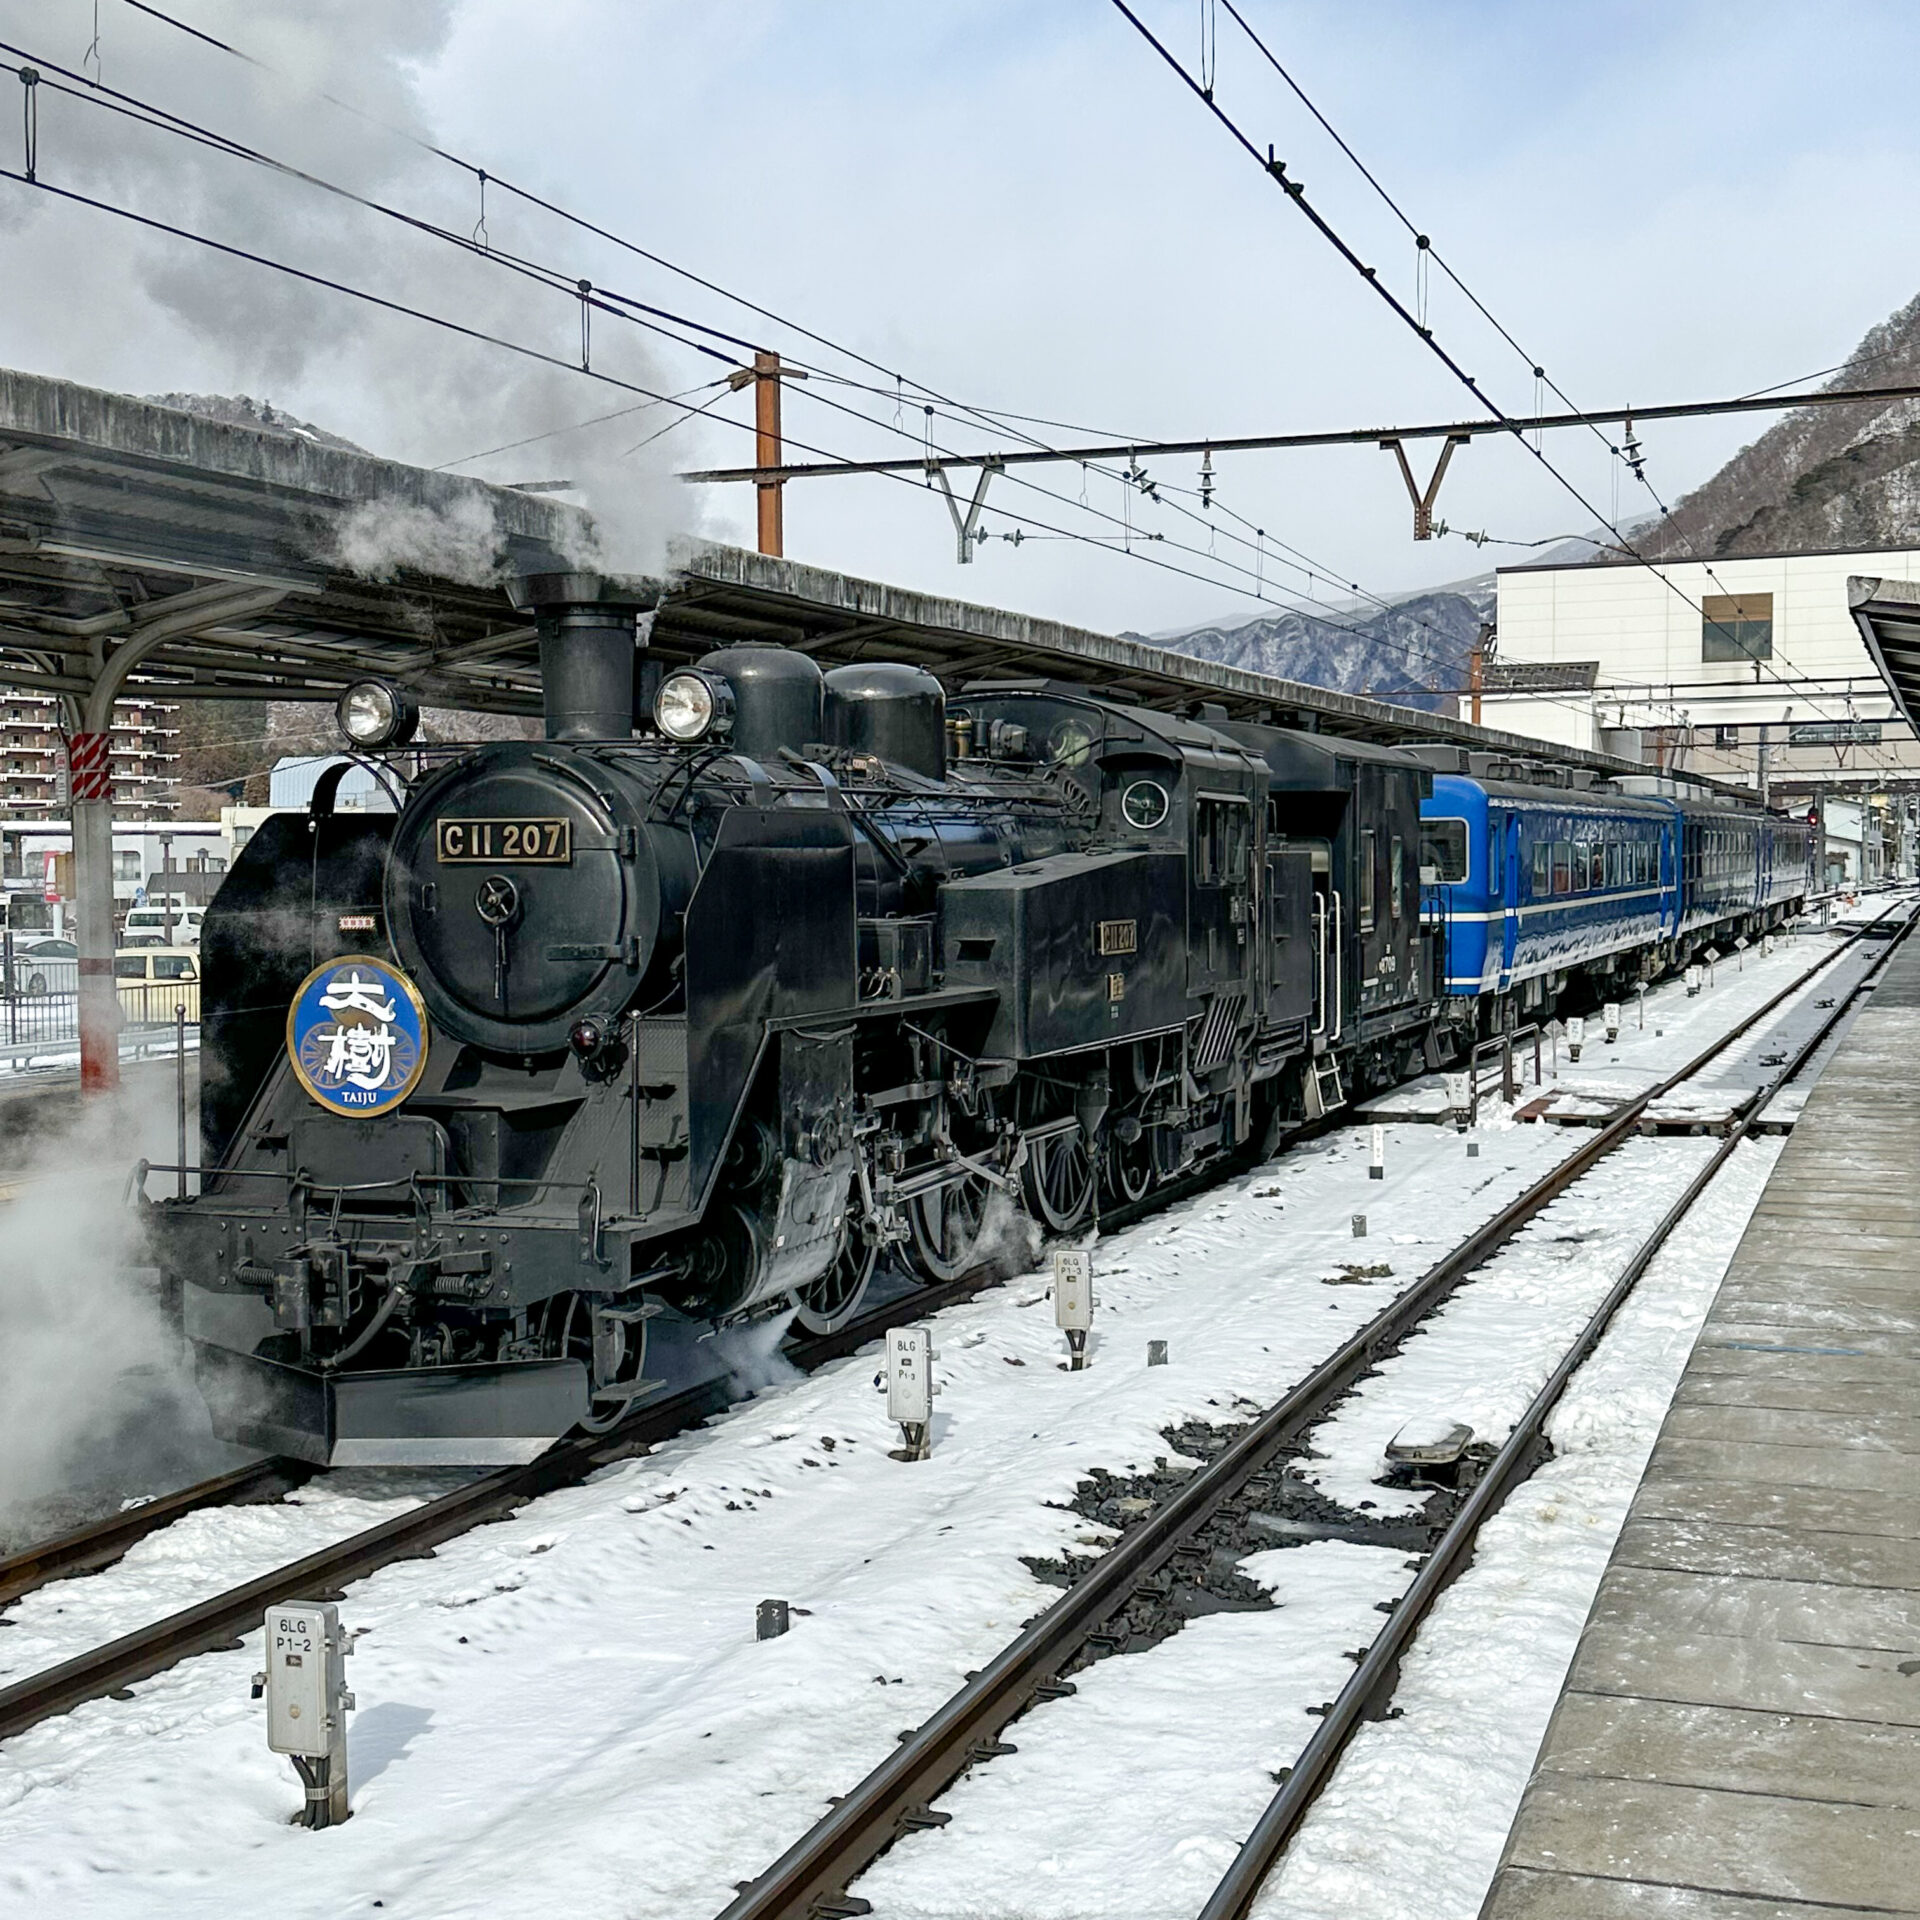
1396	874
1221	830
1367	882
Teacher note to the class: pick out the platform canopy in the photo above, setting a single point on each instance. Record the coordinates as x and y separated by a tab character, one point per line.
256	562
1887	612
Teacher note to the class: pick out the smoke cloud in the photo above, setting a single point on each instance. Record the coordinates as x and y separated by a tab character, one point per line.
152	312
377	540
96	1392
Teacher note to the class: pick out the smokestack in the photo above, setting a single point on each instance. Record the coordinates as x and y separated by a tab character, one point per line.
588	644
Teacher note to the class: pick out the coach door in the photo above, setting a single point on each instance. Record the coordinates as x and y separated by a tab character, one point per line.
1386	887
1503	887
1292	963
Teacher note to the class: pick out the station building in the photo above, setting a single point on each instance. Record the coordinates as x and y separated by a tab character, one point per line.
1751	669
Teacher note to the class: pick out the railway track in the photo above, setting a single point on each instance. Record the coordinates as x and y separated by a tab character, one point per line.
220	1620
811	1880
87	1549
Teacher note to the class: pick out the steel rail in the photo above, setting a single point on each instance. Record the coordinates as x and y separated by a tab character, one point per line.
1373	1680
89	1548
219	1621
810	1880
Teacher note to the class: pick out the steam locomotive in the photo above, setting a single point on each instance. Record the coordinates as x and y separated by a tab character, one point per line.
666	1022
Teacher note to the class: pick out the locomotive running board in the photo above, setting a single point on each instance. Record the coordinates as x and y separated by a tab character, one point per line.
483	1416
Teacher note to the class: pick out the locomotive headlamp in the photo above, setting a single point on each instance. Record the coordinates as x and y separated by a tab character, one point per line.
587	1038
690	705
373	714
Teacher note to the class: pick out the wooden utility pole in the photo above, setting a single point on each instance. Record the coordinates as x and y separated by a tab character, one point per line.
764	376
1477	665
766	450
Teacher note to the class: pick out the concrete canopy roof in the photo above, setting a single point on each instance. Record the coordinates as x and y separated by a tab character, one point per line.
222	549
1887	612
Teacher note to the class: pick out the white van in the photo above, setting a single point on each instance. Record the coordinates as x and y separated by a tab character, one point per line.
161	926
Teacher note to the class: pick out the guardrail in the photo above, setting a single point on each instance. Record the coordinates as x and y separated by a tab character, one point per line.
157	1018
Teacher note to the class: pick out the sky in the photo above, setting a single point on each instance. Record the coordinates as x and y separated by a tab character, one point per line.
1011	204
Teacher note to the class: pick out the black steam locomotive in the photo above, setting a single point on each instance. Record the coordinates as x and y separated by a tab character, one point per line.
602	1043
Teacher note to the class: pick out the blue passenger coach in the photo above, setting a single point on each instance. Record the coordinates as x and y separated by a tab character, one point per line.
1531	883
1527	886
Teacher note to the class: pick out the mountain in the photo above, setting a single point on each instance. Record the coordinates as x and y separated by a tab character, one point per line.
1413	652
1820	479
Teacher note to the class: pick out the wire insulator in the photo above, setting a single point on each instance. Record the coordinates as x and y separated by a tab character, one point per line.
30	118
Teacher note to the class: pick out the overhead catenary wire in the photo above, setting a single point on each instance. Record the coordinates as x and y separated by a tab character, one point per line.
484	177
1326	616
145	113
1621	454
625	307
581	426
521	348
501	184
1276	170
165	121
992	417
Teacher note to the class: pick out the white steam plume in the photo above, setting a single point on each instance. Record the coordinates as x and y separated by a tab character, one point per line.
114	305
96	1393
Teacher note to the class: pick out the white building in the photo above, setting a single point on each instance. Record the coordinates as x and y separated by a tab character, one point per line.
1718	667
293	780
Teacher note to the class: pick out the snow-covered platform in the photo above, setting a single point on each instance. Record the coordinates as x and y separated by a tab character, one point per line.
1737	1733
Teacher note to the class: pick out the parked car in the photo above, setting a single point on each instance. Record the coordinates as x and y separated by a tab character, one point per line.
153	981
177	925
44	966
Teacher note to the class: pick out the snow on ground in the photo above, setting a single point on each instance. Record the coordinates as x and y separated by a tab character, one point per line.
1412	1824
568	1711
1225	1701
202	1554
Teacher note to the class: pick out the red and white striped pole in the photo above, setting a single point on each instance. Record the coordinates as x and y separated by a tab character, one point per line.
91	776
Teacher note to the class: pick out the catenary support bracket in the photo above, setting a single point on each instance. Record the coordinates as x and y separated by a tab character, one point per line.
965	529
1423	502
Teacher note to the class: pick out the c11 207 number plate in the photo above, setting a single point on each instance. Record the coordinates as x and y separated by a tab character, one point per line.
539	842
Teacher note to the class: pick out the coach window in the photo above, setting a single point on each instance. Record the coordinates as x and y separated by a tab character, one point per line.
1542	869
1563	866
1396	874
1582	860
1597	866
1443	852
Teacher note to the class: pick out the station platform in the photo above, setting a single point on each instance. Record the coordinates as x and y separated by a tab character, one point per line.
1739	1733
